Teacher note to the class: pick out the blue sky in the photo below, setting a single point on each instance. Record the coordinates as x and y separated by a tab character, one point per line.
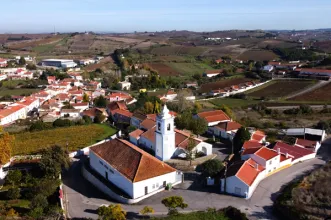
21	16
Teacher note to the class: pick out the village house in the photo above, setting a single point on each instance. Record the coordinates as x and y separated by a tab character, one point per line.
169	96
70	113
3	76
124	85
212	73
192	84
30	103
93	112
118	96
3	63
213	117
268	68
12	113
131	169
227	129
80	106
85	62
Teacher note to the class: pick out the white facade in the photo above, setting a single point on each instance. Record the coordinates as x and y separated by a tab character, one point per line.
72	114
124	85
136	189
268	68
165	135
3	77
13	116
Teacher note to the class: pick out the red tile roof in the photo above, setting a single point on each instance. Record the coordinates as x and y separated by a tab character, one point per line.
148	123
149	135
266	153
125	113
258	136
213	116
28	101
136	133
250	151
10	110
229	126
294	151
314	70
80	104
252	144
132	162
248	171
305	143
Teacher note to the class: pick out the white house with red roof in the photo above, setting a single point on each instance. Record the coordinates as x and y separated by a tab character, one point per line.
258	136
214	117
3	63
80	106
3	76
135	172
226	129
12	113
118	96
30	103
169	96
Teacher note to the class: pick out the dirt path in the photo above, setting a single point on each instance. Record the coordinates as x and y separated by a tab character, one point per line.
309	89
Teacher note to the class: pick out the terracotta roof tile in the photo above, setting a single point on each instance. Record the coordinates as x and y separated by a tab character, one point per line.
305	143
213	116
248	172
294	151
148	124
252	144
136	133
258	136
229	126
250	151
266	153
150	135
132	162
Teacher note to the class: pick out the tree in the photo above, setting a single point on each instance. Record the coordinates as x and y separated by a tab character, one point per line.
6	142
197	107
14	177
147	210
239	139
199	126
31	66
100	102
174	202
99	118
39	201
227	111
183	103
22	61
86	98
39	126
11	213
53	160
190	147
112	212
87	119
211	167
148	107
13	193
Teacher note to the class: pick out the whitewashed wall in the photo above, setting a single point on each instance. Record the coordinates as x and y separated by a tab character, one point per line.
233	182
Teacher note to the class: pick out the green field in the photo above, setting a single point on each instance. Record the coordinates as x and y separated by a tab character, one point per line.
197	216
26	92
189	68
233	103
178	50
77	137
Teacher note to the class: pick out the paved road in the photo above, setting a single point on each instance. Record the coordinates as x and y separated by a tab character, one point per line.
84	199
296	106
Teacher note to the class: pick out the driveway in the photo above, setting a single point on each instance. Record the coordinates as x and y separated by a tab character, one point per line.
83	198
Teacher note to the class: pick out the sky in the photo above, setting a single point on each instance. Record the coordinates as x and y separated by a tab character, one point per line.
35	16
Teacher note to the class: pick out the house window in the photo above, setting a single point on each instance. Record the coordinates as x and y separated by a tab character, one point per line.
110	170
105	167
269	171
100	162
168	127
270	162
159	126
153	187
157	185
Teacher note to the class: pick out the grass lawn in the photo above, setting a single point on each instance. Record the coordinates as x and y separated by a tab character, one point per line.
4	91
19	203
77	137
233	103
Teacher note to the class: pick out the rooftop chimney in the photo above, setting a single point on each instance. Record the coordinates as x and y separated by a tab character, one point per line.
278	150
256	166
286	155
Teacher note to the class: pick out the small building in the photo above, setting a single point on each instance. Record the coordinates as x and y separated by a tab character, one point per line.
93	112
60	63
212	73
227	129
12	113
124	85
3	63
268	68
80	106
214	117
131	169
70	113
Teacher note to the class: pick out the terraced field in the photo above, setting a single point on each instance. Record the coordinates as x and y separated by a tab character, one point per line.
318	95
258	55
223	83
281	88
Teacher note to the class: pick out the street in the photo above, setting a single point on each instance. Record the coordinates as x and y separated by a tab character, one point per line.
83	198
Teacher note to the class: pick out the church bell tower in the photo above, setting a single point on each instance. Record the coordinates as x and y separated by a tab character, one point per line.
165	135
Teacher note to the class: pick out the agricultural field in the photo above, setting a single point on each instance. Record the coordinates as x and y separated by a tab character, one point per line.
277	44
223	84
281	88
324	46
178	50
28	44
318	95
258	55
20	92
189	68
163	69
77	137
233	103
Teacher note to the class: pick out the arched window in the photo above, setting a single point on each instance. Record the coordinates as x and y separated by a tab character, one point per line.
168	127
159	126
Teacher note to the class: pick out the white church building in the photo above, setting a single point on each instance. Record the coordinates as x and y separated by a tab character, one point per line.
165	140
